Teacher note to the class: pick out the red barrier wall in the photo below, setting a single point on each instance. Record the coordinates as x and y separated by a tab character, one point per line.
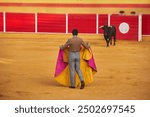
146	24
85	23
52	23
102	20
1	22
131	21
20	22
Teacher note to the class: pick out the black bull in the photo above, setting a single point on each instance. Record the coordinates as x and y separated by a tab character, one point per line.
109	32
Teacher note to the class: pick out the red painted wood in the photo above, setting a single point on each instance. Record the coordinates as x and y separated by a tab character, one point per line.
85	23
103	19
146	24
1	22
20	22
52	23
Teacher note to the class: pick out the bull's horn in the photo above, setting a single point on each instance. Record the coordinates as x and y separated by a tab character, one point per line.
101	27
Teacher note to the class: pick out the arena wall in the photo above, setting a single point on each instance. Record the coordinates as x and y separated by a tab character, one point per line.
78	7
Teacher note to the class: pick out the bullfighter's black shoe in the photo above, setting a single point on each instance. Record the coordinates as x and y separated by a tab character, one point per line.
82	85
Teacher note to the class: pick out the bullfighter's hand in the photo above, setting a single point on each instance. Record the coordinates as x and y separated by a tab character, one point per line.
61	47
88	44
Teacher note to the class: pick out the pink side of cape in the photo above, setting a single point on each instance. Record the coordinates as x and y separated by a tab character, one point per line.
60	64
92	64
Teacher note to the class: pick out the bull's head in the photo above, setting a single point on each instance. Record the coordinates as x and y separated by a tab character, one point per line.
105	28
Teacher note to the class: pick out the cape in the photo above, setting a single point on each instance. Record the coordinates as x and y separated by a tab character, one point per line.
87	66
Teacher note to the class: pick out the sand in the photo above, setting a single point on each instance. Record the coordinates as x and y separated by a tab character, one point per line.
27	65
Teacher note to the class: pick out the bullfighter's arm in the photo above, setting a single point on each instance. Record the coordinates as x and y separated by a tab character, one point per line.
86	45
62	47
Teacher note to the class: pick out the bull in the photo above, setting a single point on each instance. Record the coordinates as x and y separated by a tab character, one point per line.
109	32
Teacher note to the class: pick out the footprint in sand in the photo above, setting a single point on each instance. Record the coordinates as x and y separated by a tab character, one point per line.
23	93
134	84
1	95
5	82
128	78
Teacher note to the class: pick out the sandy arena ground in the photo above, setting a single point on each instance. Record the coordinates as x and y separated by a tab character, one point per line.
27	65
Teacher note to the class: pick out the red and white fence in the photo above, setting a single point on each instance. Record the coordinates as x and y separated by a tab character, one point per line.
128	27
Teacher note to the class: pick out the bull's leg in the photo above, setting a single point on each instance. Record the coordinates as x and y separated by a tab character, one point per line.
114	40
110	41
107	41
